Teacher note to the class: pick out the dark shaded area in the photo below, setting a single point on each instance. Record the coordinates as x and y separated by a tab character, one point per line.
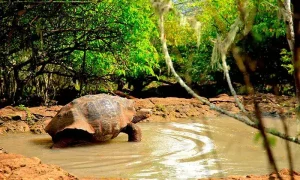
208	90
71	137
66	95
172	90
267	55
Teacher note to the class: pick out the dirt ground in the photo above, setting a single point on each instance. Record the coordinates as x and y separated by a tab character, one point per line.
23	119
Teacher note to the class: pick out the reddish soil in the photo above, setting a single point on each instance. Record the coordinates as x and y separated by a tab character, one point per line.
285	174
15	166
22	119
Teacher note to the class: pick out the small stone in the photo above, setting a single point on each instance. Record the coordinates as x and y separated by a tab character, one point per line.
2	151
37	159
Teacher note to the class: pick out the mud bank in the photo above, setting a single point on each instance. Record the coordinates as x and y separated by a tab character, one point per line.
23	119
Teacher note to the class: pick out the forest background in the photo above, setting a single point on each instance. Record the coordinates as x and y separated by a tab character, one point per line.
54	51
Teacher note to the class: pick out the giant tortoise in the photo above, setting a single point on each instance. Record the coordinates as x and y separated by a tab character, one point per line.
95	118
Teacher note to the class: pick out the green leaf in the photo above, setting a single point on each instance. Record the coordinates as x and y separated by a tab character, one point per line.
77	85
257	137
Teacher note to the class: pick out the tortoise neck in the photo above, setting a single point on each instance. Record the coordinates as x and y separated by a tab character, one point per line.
137	119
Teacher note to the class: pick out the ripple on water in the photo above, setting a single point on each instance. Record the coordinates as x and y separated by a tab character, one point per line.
189	156
168	151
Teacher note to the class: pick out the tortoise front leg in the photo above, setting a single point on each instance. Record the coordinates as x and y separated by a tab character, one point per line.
133	131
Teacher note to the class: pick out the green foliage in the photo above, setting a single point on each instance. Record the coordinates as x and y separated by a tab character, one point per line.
22	107
271	139
28	113
160	108
81	44
185	43
297	111
212	25
140	57
87	46
135	56
286	57
267	23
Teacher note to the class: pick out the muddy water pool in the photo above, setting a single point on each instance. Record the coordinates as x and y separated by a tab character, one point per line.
173	150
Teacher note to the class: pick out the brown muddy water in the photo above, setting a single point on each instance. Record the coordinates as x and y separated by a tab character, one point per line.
174	150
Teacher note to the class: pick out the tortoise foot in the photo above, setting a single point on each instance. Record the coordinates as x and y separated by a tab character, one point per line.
134	132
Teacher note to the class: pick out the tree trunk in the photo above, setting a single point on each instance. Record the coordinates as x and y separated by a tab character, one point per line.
46	82
288	18
296	19
6	84
19	89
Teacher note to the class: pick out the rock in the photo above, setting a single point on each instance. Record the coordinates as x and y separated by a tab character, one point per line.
39	126
14	126
2	151
10	113
43	111
37	159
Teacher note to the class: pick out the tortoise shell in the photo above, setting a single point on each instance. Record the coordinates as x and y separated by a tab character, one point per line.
104	116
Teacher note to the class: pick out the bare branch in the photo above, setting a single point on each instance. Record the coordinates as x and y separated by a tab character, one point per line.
243	119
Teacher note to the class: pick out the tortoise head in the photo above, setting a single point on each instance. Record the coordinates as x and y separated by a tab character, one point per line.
141	115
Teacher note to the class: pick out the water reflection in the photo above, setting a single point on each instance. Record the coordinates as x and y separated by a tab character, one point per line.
191	149
179	150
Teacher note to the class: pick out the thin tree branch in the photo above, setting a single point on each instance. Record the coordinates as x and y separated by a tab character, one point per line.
265	139
243	119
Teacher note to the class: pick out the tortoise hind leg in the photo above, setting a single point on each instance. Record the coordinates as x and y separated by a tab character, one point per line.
133	131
